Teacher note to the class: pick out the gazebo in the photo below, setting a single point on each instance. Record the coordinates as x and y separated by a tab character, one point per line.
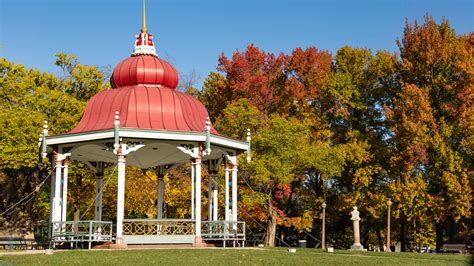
143	121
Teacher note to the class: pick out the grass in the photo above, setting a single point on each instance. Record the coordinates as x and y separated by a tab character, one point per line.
219	256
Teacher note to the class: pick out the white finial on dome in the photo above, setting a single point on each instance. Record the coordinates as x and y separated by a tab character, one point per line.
144	44
207	124
40	139
45	127
117	118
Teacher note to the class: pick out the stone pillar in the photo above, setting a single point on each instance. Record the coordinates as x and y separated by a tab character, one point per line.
356	233
161	192
98	196
234	193
355	220
193	182
64	200
215	198
120	196
57	190
226	214
198	239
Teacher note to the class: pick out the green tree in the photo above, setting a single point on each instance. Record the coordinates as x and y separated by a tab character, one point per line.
27	98
238	117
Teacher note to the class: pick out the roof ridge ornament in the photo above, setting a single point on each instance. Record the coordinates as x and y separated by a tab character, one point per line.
144	44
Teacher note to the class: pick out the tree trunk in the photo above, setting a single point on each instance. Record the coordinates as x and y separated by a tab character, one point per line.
439	236
452	239
402	233
365	235
77	213
380	239
271	225
77	217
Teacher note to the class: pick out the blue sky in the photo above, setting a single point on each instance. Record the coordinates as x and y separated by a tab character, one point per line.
192	34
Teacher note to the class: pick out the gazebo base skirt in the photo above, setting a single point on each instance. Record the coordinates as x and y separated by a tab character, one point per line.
117	246
159	239
198	242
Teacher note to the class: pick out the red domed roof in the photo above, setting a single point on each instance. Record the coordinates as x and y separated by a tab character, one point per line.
144	70
144	107
144	95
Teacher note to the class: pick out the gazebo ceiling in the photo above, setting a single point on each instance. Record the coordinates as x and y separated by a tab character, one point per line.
152	154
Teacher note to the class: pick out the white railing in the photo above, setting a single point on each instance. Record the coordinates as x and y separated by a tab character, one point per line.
82	231
143	229
149	227
223	230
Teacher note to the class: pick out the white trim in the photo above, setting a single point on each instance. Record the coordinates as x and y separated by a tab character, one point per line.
78	137
147	134
229	143
161	135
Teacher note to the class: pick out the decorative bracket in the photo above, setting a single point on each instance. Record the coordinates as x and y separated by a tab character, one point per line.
189	149
214	165
62	156
126	150
231	157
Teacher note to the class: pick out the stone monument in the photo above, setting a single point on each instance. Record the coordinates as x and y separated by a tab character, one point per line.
357	246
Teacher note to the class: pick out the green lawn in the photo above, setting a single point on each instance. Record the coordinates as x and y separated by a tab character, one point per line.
276	256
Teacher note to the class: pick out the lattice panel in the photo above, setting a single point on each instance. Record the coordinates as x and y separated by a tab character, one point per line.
144	227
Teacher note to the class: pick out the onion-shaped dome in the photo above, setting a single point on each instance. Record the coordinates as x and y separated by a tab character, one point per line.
144	107
144	92
144	70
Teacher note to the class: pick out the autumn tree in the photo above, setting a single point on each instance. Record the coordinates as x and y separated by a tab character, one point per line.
429	124
272	83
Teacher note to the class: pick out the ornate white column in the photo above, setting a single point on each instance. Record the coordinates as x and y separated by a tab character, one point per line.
120	194
198	201
51	199
215	200
57	189
161	185
98	191
226	214
234	193
210	181
64	200
193	166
